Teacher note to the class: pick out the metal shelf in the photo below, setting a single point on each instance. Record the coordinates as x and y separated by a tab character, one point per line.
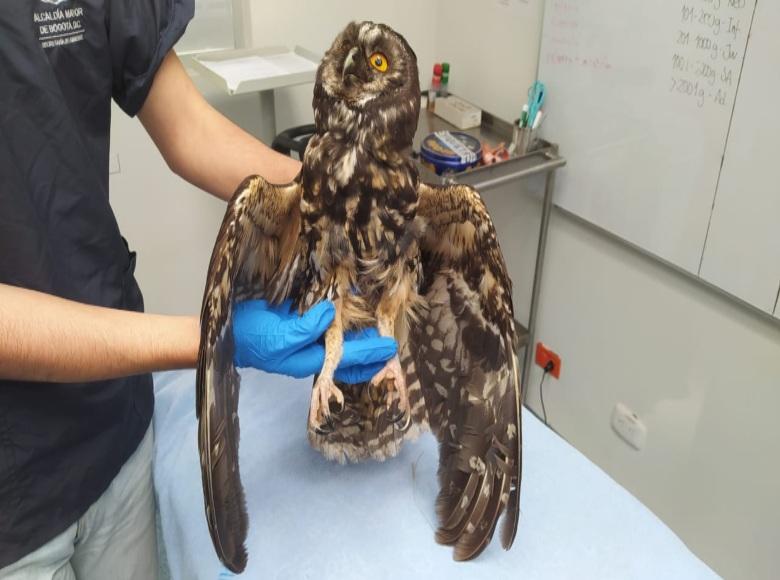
543	159
522	334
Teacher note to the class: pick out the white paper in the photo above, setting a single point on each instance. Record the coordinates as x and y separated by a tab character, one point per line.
292	63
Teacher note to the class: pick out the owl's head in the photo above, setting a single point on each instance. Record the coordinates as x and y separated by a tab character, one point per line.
368	77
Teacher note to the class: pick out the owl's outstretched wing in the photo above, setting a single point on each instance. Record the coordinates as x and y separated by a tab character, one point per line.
254	256
464	349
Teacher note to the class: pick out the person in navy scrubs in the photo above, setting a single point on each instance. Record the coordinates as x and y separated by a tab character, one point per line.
76	349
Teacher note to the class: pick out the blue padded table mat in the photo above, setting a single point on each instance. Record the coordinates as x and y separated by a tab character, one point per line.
310	518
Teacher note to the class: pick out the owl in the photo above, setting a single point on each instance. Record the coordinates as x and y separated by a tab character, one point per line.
419	262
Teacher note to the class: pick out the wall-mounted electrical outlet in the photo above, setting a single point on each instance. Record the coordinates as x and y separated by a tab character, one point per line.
544	357
629	426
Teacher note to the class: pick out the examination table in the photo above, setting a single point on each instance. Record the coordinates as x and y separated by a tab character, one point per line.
310	518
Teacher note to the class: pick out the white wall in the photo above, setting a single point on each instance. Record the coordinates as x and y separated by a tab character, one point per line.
701	371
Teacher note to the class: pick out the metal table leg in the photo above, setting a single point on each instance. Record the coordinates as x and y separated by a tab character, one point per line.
549	188
267	117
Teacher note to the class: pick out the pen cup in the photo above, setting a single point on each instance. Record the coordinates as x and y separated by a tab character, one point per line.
522	138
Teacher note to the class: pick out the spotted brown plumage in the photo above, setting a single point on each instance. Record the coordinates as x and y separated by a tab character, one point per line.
420	262
257	237
464	352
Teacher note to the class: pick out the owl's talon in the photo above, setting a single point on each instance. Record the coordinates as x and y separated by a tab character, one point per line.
336	408
392	376
326	428
407	422
395	417
320	412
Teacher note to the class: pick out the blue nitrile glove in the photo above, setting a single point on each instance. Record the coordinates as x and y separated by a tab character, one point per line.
276	340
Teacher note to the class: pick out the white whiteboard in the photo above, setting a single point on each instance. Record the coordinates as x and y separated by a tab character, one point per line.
742	254
640	97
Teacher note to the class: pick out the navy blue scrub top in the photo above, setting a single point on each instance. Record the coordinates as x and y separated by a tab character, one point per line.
61	63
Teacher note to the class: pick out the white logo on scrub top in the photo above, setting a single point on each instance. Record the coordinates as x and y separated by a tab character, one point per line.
59	26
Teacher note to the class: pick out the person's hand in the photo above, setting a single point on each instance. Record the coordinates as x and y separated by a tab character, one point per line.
277	340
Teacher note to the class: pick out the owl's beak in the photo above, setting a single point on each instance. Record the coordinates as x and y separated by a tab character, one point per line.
351	65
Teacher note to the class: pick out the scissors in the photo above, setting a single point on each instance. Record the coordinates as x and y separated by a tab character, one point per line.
536	96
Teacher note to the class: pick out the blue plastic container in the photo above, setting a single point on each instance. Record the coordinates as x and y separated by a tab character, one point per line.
450	151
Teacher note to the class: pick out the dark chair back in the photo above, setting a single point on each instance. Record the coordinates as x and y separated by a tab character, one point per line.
293	139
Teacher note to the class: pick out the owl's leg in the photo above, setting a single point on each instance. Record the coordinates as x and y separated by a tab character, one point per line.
392	375
325	389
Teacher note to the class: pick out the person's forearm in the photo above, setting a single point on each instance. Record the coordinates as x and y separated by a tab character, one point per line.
199	143
45	338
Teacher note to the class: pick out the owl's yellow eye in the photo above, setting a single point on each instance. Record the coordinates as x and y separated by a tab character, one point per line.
379	61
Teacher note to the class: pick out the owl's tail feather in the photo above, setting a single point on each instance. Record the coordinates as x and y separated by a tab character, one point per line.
366	428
